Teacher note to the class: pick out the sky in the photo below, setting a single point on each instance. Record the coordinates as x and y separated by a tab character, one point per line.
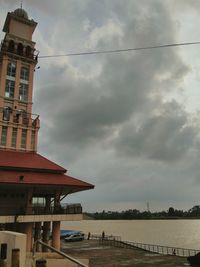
127	122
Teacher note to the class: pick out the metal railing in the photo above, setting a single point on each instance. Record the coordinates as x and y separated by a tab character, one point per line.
67	209
20	117
164	250
106	237
41	210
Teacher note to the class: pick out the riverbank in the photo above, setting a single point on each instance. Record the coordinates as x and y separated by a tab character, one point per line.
101	256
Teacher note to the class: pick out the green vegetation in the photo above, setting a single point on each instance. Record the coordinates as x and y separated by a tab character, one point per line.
136	214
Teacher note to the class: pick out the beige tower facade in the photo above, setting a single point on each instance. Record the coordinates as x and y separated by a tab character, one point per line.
18	126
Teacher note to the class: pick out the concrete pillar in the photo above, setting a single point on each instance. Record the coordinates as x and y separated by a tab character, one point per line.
28	230
37	234
9	136
28	139
17	79
56	235
46	234
18	143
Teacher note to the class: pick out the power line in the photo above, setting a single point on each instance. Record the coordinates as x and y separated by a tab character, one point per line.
118	50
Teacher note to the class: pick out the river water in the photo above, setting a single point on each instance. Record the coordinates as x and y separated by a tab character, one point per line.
176	233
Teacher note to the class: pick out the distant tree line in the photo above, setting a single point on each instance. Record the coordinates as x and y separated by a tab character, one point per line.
129	214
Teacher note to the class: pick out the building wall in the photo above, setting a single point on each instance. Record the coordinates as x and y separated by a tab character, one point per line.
14	241
53	260
20	30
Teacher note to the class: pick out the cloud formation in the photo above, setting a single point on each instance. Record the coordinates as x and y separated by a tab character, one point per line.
116	119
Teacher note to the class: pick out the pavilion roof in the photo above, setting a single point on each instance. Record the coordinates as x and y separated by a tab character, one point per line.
27	161
42	179
24	169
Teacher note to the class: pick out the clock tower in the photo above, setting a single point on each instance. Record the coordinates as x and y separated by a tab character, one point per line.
18	126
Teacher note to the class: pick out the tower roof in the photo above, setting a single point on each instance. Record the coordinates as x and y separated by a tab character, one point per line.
18	15
20	12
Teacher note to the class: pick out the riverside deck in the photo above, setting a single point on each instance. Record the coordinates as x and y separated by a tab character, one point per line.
100	255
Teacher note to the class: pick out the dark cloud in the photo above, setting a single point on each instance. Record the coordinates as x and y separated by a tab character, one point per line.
114	119
128	87
166	136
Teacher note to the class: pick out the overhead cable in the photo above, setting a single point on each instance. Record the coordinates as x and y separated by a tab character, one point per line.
118	50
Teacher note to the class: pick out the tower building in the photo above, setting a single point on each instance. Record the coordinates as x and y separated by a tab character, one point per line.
19	127
31	186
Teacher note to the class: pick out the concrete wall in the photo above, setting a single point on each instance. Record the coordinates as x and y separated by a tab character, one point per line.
14	241
41	218
53	260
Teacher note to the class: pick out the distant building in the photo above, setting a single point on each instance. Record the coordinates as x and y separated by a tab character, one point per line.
31	186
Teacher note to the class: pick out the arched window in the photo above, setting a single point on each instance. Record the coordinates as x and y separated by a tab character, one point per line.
11	69
20	49
11	46
28	51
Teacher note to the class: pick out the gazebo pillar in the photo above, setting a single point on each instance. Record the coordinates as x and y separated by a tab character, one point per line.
37	234
28	229
56	235
46	234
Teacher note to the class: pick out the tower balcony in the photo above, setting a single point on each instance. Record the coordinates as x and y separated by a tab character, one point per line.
17	49
20	117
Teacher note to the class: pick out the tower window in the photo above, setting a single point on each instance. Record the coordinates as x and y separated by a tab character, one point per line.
14	137
23	139
11	69
20	49
23	92
28	51
11	46
10	88
6	113
24	73
4	135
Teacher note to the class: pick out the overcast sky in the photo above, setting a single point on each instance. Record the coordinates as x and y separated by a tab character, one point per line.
129	122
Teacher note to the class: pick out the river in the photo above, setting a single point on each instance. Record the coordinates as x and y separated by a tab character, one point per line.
176	233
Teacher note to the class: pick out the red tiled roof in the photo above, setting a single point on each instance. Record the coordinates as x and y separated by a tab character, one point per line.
34	178
27	160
